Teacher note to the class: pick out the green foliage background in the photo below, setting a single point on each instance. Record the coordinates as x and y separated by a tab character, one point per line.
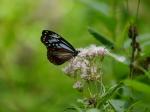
28	82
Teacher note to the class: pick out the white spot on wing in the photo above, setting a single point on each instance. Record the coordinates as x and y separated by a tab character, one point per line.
55	36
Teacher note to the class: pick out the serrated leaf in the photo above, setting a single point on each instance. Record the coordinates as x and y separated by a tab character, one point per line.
101	38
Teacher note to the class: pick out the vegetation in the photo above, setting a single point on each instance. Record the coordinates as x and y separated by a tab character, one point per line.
29	83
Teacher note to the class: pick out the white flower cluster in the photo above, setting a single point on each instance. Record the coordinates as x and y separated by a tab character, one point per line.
92	51
81	64
75	65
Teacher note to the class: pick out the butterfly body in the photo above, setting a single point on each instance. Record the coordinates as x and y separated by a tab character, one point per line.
58	49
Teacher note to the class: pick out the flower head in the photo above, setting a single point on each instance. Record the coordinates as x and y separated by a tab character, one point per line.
85	66
78	85
92	51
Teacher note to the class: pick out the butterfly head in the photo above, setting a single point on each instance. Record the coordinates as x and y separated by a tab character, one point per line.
76	53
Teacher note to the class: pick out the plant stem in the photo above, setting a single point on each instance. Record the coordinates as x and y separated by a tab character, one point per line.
137	10
134	44
132	59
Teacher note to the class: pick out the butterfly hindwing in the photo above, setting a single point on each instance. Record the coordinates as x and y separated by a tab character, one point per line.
58	56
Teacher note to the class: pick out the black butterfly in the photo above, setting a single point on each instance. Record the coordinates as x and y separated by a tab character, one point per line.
58	49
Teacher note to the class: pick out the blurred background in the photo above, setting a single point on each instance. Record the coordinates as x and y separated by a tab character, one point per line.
28	82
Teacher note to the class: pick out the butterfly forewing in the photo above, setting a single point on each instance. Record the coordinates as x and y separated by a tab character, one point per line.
58	49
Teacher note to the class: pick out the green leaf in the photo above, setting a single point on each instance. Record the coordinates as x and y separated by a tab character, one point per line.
101	38
119	105
93	110
139	86
74	108
101	12
121	59
143	39
101	7
108	94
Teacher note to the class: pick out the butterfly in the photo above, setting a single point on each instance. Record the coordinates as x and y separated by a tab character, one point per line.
58	49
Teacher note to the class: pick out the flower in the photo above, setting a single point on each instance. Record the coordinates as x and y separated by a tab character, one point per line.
78	85
76	64
92	51
84	63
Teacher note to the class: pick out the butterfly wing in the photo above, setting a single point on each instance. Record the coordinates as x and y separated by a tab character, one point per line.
59	56
58	49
